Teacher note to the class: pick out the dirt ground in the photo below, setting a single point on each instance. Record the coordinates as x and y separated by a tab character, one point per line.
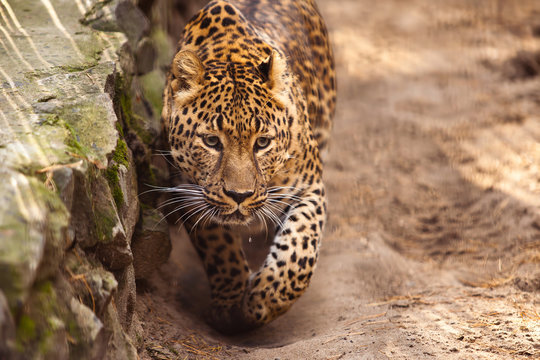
432	248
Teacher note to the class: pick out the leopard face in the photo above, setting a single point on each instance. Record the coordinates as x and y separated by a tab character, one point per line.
231	131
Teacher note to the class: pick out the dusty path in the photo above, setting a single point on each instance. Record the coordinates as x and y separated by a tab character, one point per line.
432	250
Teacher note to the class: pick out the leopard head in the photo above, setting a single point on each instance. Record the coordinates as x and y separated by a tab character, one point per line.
230	130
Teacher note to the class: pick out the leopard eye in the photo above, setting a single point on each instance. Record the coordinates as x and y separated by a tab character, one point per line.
212	141
262	143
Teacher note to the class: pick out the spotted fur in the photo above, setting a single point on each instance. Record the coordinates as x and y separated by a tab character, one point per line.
248	108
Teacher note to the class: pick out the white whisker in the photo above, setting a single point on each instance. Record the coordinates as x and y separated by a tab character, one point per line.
272	217
279	201
200	218
277	188
194	211
183	206
178	209
263	220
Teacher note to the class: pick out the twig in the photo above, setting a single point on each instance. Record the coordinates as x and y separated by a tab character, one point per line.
366	317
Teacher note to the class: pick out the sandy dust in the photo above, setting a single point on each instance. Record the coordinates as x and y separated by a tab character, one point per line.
432	249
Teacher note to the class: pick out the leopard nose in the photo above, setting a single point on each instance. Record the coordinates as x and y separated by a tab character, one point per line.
236	196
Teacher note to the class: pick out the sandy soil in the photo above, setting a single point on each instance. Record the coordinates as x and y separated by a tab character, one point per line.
432	249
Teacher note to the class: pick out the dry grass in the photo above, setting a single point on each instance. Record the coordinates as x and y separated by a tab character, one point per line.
363	318
493	283
412	299
196	345
82	277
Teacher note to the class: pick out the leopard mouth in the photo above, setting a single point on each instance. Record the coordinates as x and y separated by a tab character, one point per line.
240	214
236	218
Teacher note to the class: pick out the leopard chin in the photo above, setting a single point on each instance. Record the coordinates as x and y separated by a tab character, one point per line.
236	218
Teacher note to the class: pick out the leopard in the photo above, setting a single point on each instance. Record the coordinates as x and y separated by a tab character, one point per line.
247	114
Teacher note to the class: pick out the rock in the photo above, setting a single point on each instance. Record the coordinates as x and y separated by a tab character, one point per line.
120	345
528	282
145	56
151	244
32	224
126	297
101	16
7	329
91	331
127	59
103	286
113	248
132	21
63	178
68	182
128	208
42	325
85	230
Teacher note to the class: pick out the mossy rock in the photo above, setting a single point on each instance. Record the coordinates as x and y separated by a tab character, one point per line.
33	224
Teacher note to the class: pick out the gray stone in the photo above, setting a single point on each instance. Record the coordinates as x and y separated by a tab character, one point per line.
113	248
126	297
63	178
129	208
85	230
92	331
48	106
151	244
120	345
145	56
101	16
127	59
103	285
132	21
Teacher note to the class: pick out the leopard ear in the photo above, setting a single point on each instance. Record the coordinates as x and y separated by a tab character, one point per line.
273	70
188	74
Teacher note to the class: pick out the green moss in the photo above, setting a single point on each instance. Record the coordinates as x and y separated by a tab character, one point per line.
111	174
125	103
46	288
131	120
78	67
73	143
152	175
92	47
152	84
143	133
118	196
50	119
120	155
26	329
120	129
163	46
73	329
105	221
43	319
45	297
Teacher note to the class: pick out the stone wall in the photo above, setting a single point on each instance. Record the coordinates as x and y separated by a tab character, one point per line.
80	98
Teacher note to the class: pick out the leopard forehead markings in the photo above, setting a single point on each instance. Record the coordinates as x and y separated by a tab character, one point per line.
248	109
